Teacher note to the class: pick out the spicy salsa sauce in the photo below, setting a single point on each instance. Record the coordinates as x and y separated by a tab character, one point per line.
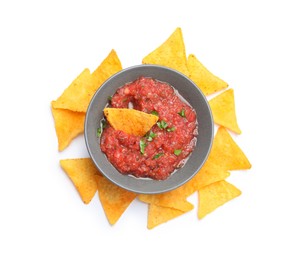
166	146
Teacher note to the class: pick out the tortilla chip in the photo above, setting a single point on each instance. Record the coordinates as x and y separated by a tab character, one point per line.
114	199
110	65
205	80
130	121
171	53
158	215
207	175
226	153
68	125
215	195
223	110
78	95
172	199
82	173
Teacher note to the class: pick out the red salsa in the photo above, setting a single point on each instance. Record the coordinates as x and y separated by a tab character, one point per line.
166	146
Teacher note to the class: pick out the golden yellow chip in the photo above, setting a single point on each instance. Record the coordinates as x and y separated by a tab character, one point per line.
226	153
114	199
158	215
171	199
130	121
206	81
68	125
82	173
171	53
79	93
208	174
215	195
223	110
110	65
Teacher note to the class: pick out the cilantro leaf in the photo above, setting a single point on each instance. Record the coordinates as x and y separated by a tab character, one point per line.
142	145
182	113
162	124
158	155
177	152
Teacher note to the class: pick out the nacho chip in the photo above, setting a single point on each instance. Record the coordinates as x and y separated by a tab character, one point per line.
110	65
207	175
68	125
158	215
130	121
215	195
206	81
79	93
171	53
82	173
114	199
226	153
223	110
171	199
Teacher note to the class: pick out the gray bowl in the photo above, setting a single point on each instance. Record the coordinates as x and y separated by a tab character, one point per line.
188	90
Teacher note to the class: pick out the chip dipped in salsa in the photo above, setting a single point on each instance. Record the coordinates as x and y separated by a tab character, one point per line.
166	146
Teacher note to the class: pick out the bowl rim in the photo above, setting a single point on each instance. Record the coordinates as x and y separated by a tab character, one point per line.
132	178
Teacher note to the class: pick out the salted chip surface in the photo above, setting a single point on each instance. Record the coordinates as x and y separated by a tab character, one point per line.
130	121
171	53
158	215
215	195
114	199
223	110
68	125
206	81
82	173
226	153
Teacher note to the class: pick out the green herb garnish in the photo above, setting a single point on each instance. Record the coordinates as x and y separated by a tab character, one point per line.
171	129
177	152
182	113
142	145
150	136
154	112
162	124
156	156
103	124
99	131
109	98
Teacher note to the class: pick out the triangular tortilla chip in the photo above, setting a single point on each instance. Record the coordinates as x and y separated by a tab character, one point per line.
82	173
109	66
79	93
215	195
206	81
226	153
223	110
68	125
208	174
172	199
158	215
130	121
114	199
171	53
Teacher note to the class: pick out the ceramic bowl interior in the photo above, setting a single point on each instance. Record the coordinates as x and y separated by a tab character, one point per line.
188	90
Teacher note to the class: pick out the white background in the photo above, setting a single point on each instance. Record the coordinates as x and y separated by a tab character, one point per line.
45	44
